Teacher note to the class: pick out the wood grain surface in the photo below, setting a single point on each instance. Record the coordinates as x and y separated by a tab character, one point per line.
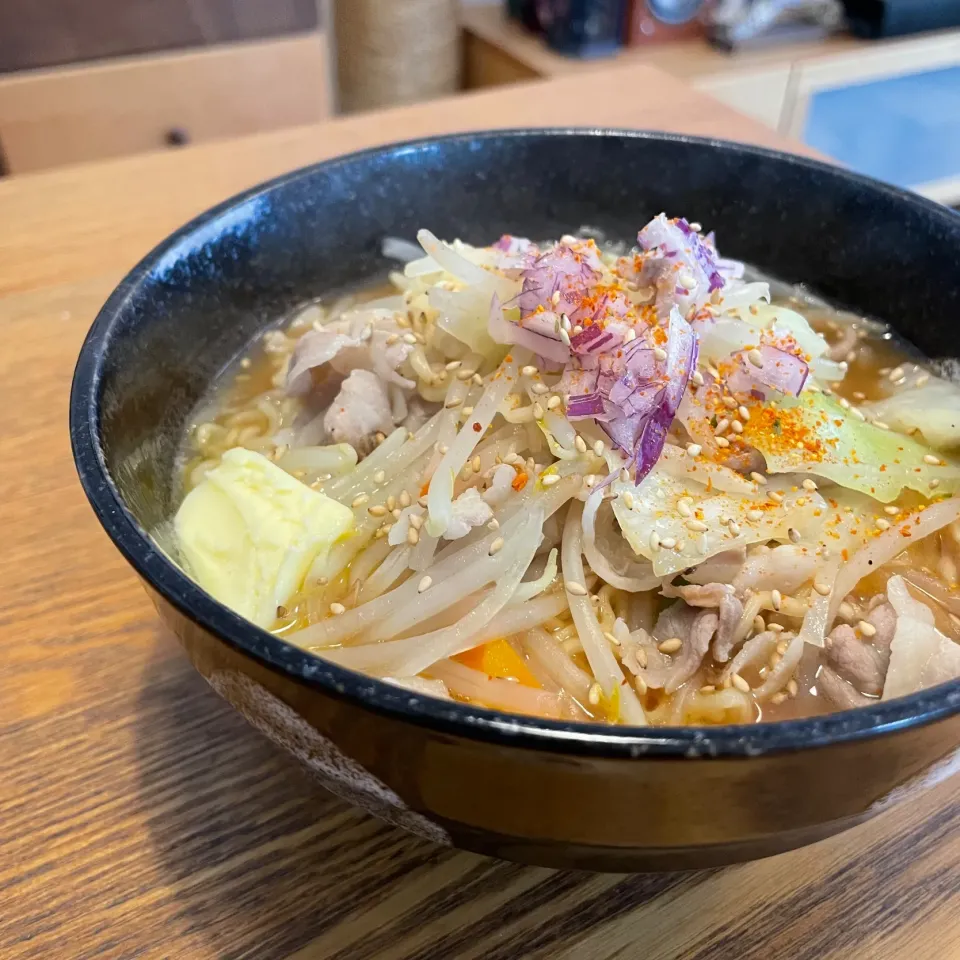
140	817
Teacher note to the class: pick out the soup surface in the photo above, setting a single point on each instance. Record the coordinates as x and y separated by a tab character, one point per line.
581	481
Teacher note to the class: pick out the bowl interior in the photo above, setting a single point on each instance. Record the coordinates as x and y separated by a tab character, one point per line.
197	300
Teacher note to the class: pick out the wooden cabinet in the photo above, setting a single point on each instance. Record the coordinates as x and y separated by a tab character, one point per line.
72	114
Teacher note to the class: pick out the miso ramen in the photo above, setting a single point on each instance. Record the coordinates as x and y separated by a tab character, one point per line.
578	480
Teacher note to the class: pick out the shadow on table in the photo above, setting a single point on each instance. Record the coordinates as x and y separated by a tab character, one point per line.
261	861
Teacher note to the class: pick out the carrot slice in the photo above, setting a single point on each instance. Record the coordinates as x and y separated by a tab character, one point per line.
498	659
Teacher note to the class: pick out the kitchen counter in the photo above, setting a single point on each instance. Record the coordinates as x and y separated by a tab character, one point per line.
141	817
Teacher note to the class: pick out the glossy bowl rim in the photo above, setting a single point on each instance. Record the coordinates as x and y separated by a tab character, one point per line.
377	696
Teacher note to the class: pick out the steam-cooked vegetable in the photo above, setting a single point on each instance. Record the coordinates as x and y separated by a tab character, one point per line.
638	486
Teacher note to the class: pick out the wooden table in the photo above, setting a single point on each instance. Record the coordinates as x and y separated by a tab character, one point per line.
140	817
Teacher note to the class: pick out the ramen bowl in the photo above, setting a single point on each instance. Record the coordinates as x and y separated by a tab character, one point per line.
537	791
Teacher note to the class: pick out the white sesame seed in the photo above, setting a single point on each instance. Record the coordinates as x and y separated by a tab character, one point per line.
540	388
758	625
776	599
778	628
858	413
684	507
565	322
934	483
453	402
867	629
628	499
496	546
630	336
594	694
660	353
736	426
598	448
529	370
881	425
424	584
697	378
744	413
670	646
537	411
881	523
554	402
565	337
794	534
734	529
392	339
654	541
694	449
809	484
443	448
845	403
555	299
377	511
453	365
494	524
755	357
722	442
577	589
416	521
610	638
932	460
824	589
476	463
740	683
413	536
391	502
379	476
729	403
754	515
891	511
624	475
793	688
337	608
668	542
775	496
580	444
721	425
895	374
846	611
589	480
778	698
707	688
359	501
550	479
696	526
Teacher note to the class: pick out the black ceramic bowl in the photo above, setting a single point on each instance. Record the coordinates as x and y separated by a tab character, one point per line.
542	792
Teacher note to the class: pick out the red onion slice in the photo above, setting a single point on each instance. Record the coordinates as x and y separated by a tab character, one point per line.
502	331
779	370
